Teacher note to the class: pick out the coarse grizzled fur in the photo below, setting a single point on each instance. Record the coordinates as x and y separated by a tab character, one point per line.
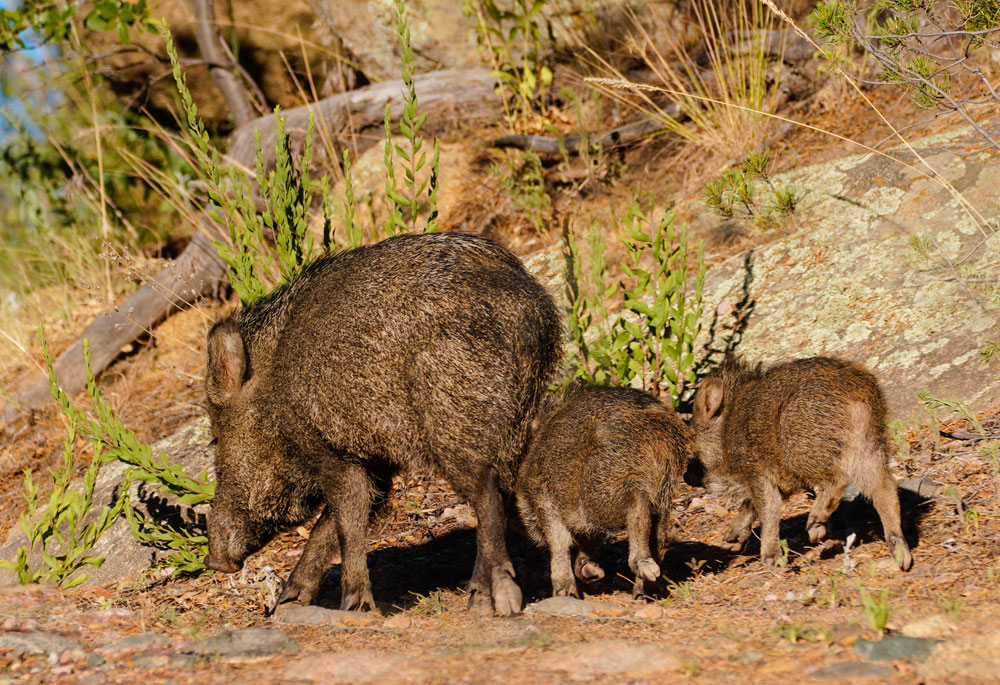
422	351
601	460
816	423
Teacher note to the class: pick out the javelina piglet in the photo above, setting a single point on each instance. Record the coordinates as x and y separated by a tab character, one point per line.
816	423
601	460
426	352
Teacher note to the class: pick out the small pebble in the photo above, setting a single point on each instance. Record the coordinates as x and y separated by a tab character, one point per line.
650	612
398	621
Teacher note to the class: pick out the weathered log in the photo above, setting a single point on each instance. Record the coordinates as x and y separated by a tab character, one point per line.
454	94
576	143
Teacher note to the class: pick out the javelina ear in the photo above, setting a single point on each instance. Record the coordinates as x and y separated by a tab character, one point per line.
708	403
227	363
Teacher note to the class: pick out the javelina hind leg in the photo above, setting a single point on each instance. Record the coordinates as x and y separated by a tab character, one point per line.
827	500
740	529
493	575
767	503
321	551
660	536
584	566
885	497
559	541
640	559
350	498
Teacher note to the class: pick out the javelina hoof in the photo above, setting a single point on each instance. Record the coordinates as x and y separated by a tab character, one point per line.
590	572
564	587
225	566
357	600
731	545
901	553
293	595
817	531
648	570
506	593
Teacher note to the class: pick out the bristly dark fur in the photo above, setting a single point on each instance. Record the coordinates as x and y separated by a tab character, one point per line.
601	460
817	423
422	351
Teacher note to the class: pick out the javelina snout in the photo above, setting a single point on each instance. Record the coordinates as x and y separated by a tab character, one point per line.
601	460
817	423
423	350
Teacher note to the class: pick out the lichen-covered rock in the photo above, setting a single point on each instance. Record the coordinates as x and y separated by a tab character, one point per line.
880	268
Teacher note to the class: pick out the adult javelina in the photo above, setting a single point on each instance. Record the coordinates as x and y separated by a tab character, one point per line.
600	461
426	351
816	423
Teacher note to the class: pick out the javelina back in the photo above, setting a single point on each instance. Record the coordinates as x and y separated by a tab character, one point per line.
815	423
600	461
426	351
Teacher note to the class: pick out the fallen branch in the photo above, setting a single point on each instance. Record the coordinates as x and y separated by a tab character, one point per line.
577	143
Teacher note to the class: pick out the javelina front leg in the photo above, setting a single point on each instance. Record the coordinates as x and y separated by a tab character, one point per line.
640	559
885	497
740	528
349	495
767	503
827	500
493	574
321	551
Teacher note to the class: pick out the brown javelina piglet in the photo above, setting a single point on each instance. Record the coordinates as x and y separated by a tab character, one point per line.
816	423
601	460
425	352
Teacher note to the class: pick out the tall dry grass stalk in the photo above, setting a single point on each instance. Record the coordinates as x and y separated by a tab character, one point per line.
721	83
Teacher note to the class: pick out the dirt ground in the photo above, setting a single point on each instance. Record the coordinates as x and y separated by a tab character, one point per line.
719	617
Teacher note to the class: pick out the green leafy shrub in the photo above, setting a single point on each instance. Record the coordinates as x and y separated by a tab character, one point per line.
649	343
515	34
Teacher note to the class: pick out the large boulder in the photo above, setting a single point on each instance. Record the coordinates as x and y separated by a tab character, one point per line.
883	265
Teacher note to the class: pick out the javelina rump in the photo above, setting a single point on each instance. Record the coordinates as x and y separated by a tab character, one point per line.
600	461
426	351
816	423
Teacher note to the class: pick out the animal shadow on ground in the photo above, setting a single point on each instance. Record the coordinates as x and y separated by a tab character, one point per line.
403	575
855	515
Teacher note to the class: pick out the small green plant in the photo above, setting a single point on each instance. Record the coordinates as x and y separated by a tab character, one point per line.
783	547
748	193
897	433
526	186
990	348
876	608
404	204
971	519
954	406
991	450
431	604
515	34
695	565
953	607
58	533
795	632
834	584
650	342
683	591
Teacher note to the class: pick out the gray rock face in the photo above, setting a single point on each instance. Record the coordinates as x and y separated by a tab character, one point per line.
852	670
123	556
246	642
895	647
847	281
37	642
609	657
312	614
